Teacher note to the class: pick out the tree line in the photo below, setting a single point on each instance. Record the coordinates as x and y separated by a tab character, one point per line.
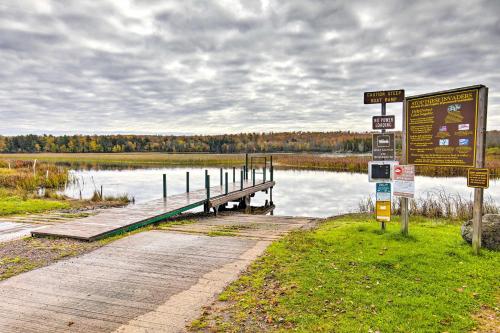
325	142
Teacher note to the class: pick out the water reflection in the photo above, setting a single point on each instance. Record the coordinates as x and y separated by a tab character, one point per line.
297	193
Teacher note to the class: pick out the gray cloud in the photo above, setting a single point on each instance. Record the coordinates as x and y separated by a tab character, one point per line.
229	66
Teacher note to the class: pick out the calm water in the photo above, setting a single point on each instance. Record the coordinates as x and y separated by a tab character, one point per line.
298	193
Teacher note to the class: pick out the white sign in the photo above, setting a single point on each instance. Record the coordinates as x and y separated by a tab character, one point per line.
404	181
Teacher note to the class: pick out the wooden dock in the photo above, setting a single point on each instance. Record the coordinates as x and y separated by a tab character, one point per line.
119	220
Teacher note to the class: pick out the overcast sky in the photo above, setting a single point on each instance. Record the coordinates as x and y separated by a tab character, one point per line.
144	66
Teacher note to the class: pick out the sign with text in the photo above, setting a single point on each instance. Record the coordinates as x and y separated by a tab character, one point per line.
383	192
386	96
479	178
383	211
383	122
404	181
441	128
383	147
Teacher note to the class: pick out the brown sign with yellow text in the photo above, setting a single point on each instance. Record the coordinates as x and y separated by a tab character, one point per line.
478	177
386	96
441	128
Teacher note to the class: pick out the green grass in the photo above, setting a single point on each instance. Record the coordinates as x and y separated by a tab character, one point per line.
17	205
348	276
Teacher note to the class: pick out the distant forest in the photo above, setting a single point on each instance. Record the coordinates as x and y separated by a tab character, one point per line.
231	143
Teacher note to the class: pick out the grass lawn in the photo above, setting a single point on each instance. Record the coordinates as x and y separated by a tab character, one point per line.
15	205
348	276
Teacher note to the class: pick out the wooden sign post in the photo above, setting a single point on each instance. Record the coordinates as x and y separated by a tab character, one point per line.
447	129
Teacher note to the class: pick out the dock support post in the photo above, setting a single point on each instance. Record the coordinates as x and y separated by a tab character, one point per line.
227	181
264	175
102	198
221	183
253	177
271	196
246	166
187	181
208	189
271	171
234	174
241	180
164	186
206	174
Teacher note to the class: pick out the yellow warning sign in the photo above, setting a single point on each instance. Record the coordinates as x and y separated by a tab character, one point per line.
383	211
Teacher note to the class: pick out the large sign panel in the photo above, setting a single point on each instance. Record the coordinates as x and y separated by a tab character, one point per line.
441	128
385	96
383	147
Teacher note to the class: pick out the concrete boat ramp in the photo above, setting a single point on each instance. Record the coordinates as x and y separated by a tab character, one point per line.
154	281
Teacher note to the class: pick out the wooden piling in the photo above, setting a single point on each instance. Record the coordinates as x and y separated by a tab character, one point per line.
164	186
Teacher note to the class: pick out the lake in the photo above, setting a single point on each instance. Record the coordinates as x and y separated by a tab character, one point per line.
297	192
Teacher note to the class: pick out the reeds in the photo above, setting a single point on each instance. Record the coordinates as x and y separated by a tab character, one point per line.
28	176
436	204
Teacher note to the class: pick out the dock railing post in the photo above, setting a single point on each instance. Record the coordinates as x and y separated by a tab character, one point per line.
187	181
234	174
241	180
227	182
221	180
164	186
253	177
272	172
206	175
264	175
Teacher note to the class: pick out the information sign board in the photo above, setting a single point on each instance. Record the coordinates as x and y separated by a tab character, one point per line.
383	122
383	147
478	178
383	192
383	211
441	128
404	181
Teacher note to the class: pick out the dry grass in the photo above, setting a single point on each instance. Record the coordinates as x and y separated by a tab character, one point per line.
436	204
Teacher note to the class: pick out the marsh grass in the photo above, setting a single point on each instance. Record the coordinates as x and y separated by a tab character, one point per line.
350	163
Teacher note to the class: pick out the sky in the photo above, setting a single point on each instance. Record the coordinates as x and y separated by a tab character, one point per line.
212	67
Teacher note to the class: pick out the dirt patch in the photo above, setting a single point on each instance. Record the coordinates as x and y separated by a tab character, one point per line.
488	320
29	253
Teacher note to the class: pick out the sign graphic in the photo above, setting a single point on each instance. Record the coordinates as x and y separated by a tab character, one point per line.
383	147
404	181
383	122
441	128
387	96
479	178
